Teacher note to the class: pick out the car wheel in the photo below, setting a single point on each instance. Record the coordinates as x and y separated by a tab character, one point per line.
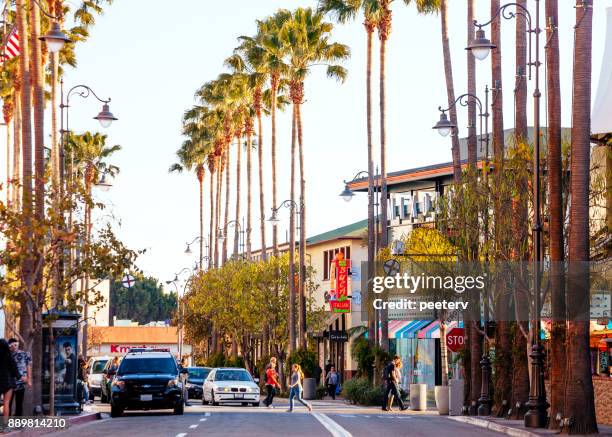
256	404
116	411
179	409
212	399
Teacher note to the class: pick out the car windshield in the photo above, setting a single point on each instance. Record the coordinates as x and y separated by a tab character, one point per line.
198	373
147	365
233	375
98	366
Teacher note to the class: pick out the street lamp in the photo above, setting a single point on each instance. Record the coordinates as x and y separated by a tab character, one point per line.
536	417
54	38
480	45
200	239
444	126
223	234
347	194
103	184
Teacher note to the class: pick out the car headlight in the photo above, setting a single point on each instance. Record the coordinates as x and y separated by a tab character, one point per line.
119	383
173	383
254	390
223	389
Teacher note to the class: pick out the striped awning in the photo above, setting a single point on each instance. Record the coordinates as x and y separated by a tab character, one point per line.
433	329
409	328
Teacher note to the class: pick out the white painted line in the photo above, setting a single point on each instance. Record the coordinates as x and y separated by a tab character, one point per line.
193	426
183	434
203	419
207	414
347	415
334	428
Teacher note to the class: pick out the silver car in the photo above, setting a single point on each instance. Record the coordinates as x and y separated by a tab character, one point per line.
95	370
230	385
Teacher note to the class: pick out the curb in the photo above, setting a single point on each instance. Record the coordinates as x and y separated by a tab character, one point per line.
508	430
72	421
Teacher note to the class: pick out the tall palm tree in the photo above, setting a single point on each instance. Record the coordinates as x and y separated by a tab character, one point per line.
342	11
556	238
471	87
193	156
579	402
306	38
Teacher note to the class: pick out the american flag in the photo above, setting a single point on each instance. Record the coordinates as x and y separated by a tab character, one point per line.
11	47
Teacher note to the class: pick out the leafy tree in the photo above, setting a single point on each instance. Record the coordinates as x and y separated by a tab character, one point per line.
144	302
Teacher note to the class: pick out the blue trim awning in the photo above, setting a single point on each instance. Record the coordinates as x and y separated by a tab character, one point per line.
410	330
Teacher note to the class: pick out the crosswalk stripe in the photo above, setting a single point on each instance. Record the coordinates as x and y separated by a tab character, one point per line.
183	434
203	419
333	427
207	414
193	426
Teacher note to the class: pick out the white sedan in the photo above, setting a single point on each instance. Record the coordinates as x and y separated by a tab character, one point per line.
230	385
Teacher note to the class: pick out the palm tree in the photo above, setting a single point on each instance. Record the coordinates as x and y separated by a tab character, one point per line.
471	87
306	38
557	255
193	156
579	402
344	10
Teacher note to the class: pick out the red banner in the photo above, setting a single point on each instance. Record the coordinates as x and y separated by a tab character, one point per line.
339	302
340	306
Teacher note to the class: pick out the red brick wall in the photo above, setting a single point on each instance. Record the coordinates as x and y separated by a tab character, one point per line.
603	399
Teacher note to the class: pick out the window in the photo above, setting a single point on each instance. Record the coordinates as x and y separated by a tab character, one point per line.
328	257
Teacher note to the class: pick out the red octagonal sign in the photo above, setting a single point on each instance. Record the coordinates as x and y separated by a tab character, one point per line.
455	339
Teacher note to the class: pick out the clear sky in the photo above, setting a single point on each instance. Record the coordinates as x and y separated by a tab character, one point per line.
151	55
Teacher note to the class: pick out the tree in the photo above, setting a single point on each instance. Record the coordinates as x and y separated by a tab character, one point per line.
306	39
556	211
144	302
579	397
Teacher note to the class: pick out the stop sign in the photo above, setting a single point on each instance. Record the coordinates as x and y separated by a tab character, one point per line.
455	339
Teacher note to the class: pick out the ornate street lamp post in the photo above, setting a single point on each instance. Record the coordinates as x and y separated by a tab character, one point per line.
203	241
536	417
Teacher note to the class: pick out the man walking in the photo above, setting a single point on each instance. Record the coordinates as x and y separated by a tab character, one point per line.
331	381
24	367
271	379
392	378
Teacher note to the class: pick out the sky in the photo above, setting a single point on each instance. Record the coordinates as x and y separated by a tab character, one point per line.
150	56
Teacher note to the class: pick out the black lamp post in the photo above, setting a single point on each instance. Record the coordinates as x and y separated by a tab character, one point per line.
373	203
188	250
223	234
444	128
536	417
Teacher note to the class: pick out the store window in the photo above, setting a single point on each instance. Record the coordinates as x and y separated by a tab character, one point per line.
329	255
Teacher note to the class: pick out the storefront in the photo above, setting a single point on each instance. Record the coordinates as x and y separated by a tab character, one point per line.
601	351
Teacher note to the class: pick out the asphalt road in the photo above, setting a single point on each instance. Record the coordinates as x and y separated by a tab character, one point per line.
328	418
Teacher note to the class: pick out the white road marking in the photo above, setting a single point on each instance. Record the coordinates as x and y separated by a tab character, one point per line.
203	420
183	434
193	426
347	415
207	414
334	428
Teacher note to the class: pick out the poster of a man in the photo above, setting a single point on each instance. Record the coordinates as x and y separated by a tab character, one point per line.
65	365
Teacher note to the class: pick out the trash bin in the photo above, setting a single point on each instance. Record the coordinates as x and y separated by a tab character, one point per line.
455	396
310	388
418	397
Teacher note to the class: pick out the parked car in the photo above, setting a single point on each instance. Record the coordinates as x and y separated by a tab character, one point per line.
147	379
95	374
230	385
107	378
195	381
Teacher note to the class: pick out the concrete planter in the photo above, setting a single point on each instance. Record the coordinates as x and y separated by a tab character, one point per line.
418	397
455	396
441	395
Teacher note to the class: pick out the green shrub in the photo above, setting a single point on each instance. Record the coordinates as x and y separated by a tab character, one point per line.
321	392
361	391
216	360
362	354
307	359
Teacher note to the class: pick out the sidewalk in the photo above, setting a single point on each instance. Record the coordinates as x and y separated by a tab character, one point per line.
84	417
516	428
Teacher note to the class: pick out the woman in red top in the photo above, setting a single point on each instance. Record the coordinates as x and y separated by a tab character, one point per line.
271	382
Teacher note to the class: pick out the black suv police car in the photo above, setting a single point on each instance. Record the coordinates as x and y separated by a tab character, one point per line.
147	379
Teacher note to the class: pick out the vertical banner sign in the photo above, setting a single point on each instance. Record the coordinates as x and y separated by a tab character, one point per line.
342	304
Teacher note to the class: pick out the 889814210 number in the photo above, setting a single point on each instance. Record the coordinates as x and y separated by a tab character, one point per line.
37	422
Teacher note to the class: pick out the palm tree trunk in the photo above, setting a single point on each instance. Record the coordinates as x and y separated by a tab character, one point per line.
273	90
520	86
370	26
496	80
579	402
38	103
26	310
227	196
211	226
219	165
472	146
302	248
384	28
9	177
291	279
262	207
237	229
201	175
450	89
17	148
249	132
557	350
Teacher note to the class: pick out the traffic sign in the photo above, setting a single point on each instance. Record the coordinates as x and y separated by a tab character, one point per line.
455	339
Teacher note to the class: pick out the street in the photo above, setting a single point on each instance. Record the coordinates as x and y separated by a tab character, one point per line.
328	418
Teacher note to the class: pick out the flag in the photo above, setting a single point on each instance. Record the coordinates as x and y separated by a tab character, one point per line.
11	47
